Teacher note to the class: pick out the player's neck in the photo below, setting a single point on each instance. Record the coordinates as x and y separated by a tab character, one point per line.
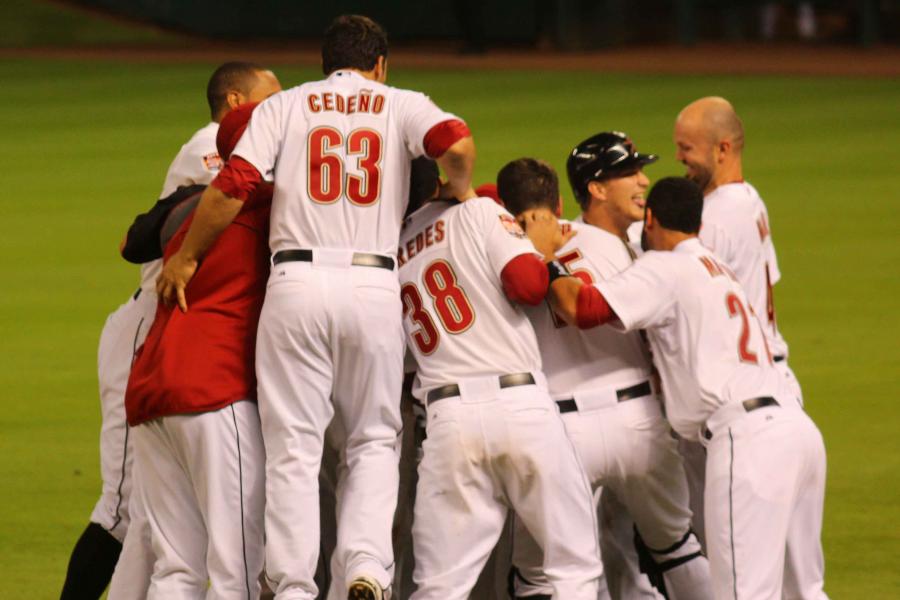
670	238
732	173
603	220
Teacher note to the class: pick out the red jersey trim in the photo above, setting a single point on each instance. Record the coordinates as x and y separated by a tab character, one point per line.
525	279
238	179
592	309
443	135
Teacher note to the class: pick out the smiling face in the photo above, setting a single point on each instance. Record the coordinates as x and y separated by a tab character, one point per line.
695	148
617	202
626	196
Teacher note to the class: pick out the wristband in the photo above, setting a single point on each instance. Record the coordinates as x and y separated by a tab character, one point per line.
556	270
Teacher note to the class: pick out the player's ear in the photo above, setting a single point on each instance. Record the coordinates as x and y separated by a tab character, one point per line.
597	190
724	148
381	69
234	99
559	207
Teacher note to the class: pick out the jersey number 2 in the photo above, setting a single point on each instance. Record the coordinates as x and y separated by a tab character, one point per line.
327	178
735	308
450	303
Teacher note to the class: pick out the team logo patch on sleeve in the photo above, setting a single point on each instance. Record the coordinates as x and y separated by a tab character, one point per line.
512	226
213	162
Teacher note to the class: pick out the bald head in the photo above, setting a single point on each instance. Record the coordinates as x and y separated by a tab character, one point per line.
714	116
709	140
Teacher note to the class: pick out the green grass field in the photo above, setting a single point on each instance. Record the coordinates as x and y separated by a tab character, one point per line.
85	147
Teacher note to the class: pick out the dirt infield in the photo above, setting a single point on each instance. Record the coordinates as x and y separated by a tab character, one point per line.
746	59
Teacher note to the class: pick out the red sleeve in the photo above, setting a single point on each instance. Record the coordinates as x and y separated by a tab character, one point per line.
238	179
443	135
525	279
591	308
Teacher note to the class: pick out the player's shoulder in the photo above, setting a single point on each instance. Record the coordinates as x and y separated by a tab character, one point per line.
203	139
428	213
732	202
599	244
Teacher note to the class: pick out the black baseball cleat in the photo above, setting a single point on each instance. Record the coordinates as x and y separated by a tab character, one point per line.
365	588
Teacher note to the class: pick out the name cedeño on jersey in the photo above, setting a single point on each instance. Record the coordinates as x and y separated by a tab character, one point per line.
363	102
428	237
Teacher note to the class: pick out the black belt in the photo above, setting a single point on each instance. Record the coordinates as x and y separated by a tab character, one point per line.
778	358
506	381
137	294
749	406
640	390
360	259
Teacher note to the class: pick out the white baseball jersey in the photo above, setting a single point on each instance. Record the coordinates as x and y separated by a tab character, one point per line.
707	344
458	321
325	144
197	162
736	228
601	357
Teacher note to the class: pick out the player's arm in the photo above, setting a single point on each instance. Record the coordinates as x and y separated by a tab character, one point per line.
457	164
219	205
576	302
142	241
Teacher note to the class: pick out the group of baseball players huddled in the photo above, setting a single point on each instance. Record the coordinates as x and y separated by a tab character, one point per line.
608	397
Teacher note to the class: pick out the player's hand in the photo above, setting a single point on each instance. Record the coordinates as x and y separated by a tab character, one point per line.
176	274
542	228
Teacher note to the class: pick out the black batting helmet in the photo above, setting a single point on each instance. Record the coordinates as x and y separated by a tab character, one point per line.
607	154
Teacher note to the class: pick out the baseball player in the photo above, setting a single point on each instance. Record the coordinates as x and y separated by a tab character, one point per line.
709	140
330	339
494	439
190	404
97	551
602	380
765	468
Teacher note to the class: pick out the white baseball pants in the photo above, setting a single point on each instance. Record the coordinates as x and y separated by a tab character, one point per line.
202	482
620	559
122	335
765	490
488	452
131	579
330	339
627	447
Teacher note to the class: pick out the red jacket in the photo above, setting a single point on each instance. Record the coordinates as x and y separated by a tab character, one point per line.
203	360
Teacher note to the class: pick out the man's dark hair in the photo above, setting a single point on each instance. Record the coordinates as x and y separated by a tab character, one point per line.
231	76
677	203
528	183
424	179
353	42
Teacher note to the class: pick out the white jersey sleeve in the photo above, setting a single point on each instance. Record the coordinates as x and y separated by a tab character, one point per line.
261	141
417	115
643	295
504	239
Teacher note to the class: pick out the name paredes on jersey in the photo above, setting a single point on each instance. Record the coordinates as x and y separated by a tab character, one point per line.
428	237
363	102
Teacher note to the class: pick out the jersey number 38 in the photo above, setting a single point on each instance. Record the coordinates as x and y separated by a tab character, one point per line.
450	303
